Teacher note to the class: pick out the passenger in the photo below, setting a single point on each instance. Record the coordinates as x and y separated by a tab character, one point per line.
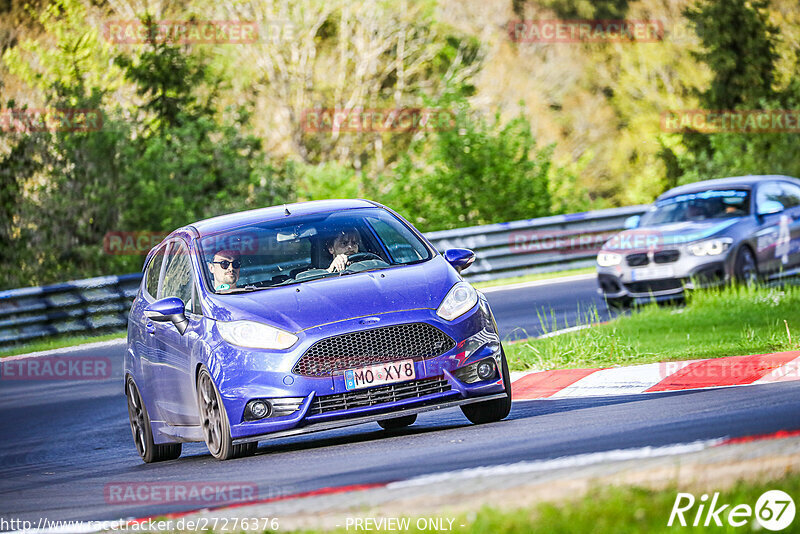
343	245
225	269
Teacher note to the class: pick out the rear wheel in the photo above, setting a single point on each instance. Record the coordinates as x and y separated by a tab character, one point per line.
398	422
214	421
143	432
745	268
493	410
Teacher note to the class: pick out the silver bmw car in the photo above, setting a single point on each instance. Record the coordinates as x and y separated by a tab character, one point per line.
704	234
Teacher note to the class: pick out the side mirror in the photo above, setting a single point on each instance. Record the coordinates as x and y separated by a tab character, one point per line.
459	258
769	207
170	309
632	222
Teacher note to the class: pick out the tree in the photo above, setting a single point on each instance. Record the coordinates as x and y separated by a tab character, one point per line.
478	171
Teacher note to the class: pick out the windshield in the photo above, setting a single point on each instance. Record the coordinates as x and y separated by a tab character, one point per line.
700	206
279	253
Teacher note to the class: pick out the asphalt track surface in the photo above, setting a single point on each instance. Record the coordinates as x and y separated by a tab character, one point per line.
64	442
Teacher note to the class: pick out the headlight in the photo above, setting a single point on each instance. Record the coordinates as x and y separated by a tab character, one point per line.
712	247
459	300
255	335
608	259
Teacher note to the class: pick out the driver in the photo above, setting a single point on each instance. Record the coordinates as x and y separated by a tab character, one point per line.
225	269
343	245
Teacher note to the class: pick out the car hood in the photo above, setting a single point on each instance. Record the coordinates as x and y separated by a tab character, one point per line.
337	299
672	234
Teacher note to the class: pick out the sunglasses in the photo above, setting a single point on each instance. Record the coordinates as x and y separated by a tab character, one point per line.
225	263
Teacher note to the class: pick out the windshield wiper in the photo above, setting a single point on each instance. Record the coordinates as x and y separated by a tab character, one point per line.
245	289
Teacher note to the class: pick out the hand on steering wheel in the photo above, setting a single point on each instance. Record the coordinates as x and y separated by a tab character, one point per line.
363	256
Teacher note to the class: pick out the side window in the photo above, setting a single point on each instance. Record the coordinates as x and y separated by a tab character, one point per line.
791	195
178	274
769	191
153	270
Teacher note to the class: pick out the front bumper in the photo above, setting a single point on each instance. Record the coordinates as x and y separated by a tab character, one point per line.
246	375
623	282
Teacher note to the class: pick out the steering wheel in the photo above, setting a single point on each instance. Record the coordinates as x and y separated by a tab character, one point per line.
363	256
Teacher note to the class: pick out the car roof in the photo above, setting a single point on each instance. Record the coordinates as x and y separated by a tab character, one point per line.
297	209
735	181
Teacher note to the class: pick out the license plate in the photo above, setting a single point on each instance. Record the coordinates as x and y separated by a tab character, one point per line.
652	273
376	375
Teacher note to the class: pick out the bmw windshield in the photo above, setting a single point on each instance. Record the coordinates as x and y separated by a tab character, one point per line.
699	206
301	249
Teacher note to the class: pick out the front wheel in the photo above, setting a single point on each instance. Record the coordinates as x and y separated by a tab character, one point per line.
214	420
143	432
493	410
745	268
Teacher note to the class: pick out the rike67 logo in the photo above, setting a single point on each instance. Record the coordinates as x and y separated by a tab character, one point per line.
774	510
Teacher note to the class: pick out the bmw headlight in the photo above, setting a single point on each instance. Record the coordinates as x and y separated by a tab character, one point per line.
711	247
255	335
608	259
459	300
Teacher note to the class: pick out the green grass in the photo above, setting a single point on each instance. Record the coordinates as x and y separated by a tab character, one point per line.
533	277
56	343
729	321
613	510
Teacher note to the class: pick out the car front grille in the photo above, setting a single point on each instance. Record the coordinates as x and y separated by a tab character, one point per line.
654	285
378	395
666	256
637	260
333	355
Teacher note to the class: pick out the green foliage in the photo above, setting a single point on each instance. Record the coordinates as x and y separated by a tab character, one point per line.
729	321
475	171
739	46
167	163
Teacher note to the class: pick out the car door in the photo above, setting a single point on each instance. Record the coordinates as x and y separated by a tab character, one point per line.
173	350
772	235
790	198
144	343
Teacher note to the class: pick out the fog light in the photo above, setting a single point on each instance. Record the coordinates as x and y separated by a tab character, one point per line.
486	369
259	409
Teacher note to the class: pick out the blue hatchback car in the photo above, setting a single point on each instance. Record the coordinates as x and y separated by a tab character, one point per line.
300	318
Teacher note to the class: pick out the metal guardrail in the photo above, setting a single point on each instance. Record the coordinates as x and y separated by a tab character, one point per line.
503	250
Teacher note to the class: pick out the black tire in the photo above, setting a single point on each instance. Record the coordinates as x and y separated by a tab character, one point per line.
214	421
143	432
493	410
618	304
398	422
745	267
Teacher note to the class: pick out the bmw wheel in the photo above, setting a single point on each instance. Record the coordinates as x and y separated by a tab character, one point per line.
143	432
493	410
214	421
745	268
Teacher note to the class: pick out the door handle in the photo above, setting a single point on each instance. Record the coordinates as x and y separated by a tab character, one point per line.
150	327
